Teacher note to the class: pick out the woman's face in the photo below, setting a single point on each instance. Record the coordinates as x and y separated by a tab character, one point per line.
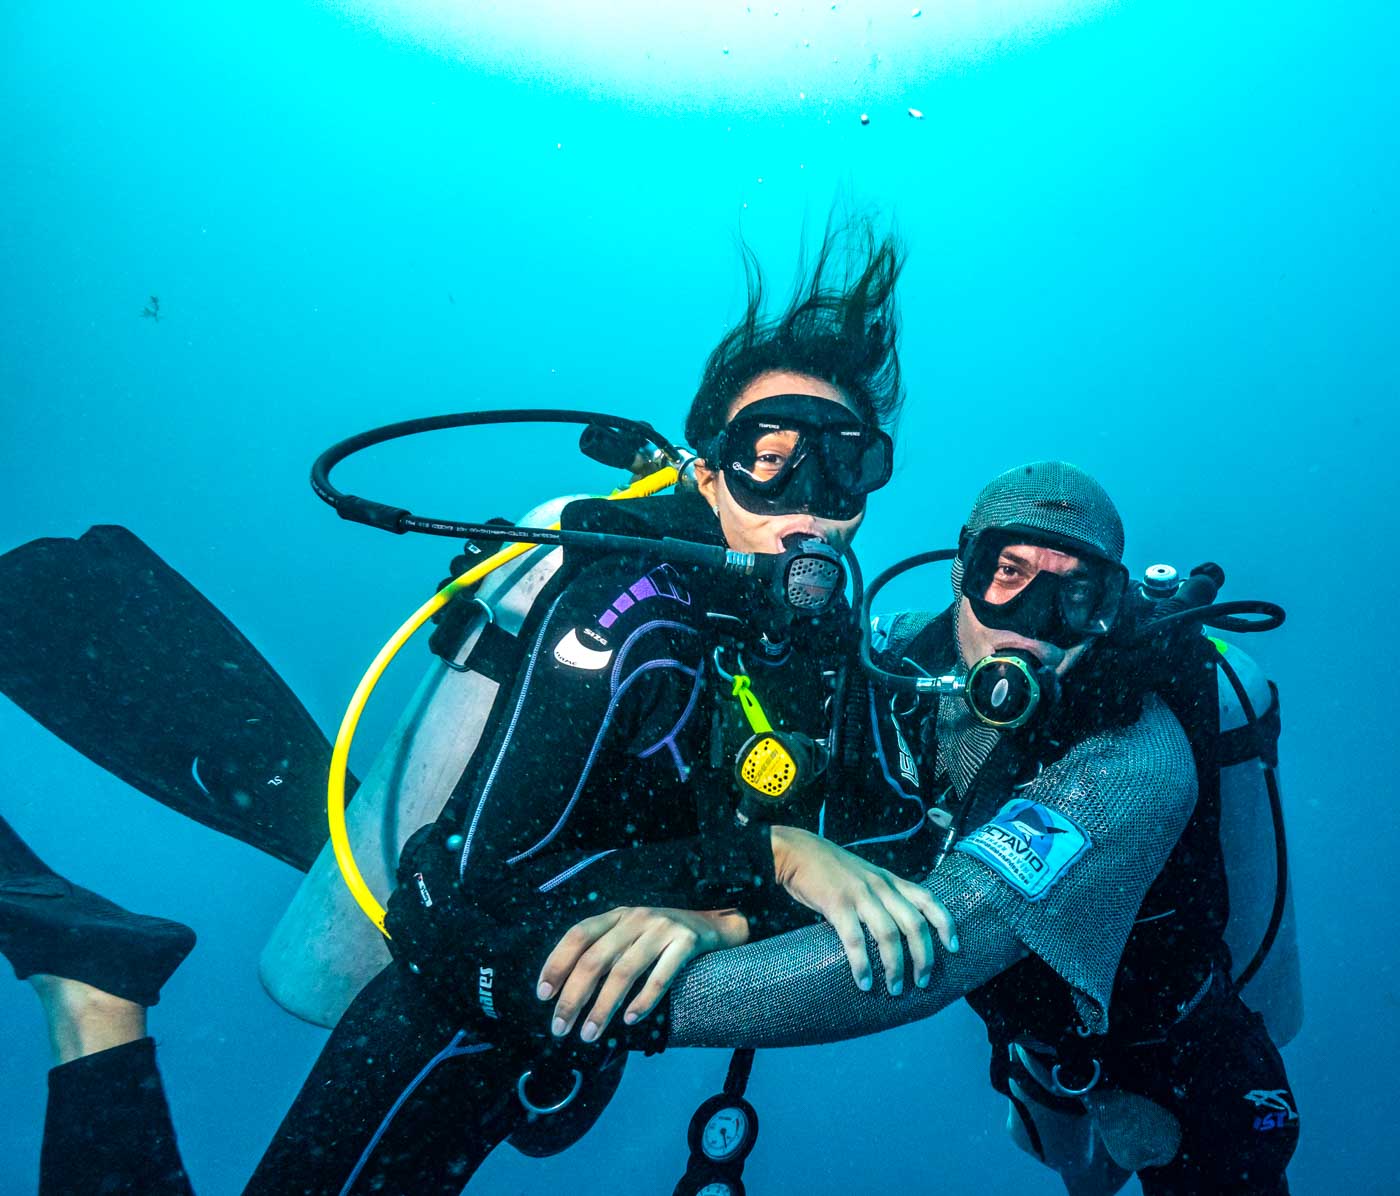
745	531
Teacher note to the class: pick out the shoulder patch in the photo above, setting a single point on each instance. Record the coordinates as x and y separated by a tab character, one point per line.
572	651
1028	845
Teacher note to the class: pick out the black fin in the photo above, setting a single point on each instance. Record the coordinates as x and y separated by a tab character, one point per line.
114	652
50	925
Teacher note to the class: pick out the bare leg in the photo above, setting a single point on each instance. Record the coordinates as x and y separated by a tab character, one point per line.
84	1020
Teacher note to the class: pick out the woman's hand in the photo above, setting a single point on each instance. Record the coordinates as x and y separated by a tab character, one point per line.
617	948
849	892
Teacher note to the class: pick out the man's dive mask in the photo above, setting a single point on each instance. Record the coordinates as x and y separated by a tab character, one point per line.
800	454
1008	591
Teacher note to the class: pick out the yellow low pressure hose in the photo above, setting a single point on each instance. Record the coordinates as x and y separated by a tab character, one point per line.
340	756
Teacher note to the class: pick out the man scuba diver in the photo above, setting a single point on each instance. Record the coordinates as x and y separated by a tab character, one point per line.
1080	858
662	721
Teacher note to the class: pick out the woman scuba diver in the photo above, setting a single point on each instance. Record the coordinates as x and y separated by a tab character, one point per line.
630	766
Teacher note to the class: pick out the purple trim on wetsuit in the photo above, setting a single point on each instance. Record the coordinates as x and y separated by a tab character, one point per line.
661	582
451	1051
555	882
647	666
669	741
636	635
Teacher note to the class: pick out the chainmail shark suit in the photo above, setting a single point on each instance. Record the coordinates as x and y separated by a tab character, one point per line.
1086	885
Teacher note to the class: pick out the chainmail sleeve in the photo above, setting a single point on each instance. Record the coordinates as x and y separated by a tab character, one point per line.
796	989
1059	871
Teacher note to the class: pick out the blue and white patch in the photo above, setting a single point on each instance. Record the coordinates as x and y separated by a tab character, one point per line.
1028	845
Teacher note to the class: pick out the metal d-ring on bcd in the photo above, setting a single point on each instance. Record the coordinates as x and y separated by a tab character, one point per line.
546	1110
1060	1088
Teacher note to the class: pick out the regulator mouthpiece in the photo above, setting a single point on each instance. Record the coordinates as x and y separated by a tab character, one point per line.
1005	689
807	577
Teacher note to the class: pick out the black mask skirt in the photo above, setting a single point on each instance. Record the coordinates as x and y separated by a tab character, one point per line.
792	454
1063	609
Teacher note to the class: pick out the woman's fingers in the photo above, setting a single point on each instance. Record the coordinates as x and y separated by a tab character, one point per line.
623	974
570	948
888	940
591	967
668	967
848	929
915	929
933	910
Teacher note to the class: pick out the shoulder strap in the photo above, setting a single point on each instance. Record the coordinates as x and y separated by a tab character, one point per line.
1256	740
893	636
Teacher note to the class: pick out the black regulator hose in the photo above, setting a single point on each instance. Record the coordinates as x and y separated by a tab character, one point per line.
399	520
899	681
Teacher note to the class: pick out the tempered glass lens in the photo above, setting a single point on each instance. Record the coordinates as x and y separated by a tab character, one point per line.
765	453
1092	608
1003	571
856	459
1087	593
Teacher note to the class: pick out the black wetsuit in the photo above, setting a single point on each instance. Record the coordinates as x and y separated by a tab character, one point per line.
605	779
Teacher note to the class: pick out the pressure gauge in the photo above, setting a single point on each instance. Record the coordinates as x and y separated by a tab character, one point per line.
723	1129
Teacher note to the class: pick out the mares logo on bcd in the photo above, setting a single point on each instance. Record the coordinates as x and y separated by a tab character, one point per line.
485	994
1028	845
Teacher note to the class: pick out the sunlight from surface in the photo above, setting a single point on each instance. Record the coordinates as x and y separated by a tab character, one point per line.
724	53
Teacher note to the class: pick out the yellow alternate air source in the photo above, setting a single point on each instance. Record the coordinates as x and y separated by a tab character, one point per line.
340	756
769	768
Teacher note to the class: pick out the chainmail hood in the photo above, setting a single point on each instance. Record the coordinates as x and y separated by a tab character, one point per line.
1054	497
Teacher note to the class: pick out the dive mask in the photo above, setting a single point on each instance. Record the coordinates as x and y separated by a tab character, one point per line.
792	454
1009	592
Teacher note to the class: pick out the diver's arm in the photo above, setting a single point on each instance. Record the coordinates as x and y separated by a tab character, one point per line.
796	989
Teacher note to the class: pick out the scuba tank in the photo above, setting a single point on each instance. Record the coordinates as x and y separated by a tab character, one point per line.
324	951
1251	830
1261	933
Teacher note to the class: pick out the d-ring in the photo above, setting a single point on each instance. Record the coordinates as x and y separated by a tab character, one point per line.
1061	1090
545	1110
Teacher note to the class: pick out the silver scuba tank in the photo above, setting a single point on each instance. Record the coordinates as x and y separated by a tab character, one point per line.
324	950
1247	841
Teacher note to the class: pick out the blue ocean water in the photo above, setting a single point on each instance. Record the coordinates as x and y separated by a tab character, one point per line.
1153	238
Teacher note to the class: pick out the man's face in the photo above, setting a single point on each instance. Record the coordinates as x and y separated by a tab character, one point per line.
1017	566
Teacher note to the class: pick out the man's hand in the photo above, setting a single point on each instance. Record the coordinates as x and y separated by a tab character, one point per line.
616	949
849	892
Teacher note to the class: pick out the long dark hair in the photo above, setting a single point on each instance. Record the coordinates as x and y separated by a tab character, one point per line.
841	324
